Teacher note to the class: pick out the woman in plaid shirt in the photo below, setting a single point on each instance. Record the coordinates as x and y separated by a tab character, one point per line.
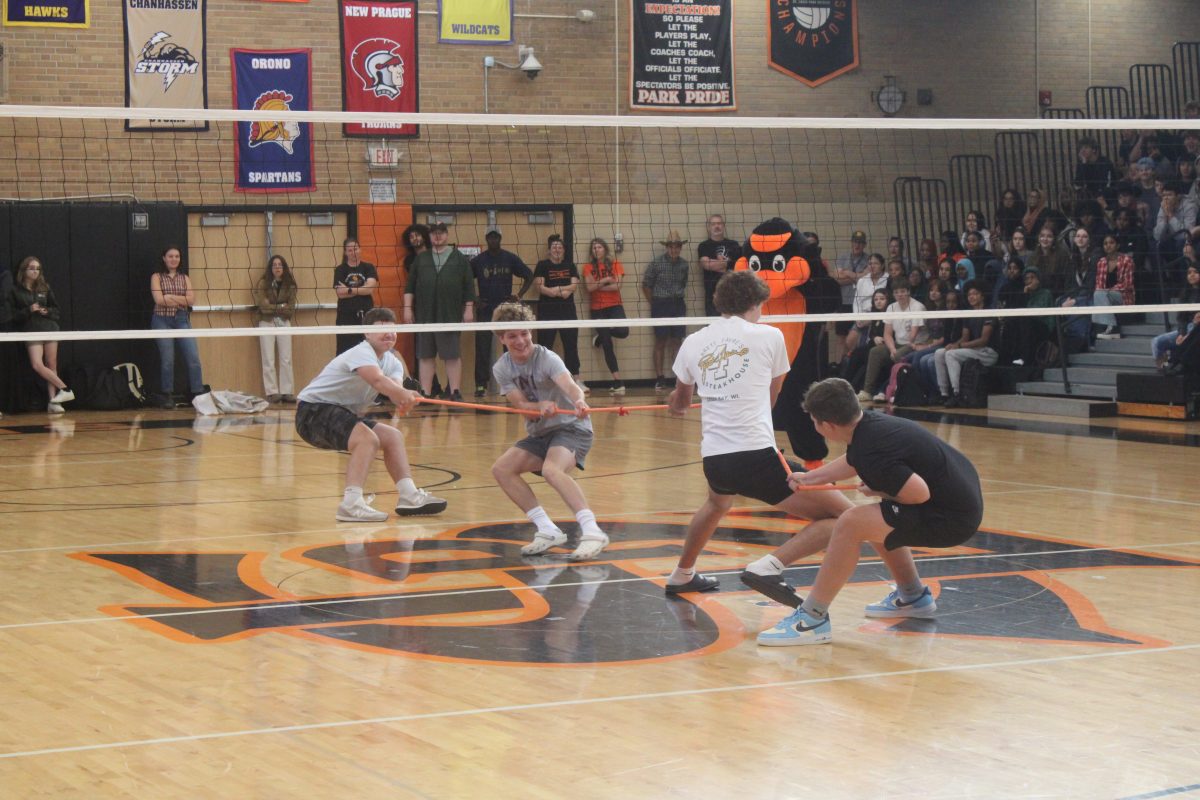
1114	285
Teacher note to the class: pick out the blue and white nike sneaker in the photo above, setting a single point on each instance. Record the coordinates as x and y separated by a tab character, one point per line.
892	607
796	629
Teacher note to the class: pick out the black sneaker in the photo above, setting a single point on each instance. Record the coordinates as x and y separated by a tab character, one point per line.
456	396
772	586
660	385
480	391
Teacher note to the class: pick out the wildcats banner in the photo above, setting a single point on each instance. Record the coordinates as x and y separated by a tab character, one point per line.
379	63
273	156
166	64
475	21
47	13
813	40
682	56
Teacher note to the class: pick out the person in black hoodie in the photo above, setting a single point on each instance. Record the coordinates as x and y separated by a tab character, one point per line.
1166	346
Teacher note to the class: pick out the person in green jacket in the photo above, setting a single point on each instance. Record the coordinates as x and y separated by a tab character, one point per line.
440	288
1030	332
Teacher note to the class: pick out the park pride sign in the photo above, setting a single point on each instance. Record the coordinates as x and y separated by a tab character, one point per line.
682	56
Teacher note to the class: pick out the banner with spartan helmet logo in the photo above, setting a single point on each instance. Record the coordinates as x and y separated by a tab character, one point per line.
273	155
379	64
166	63
813	40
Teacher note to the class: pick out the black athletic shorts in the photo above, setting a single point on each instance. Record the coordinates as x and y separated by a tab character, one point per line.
927	526
750	473
327	426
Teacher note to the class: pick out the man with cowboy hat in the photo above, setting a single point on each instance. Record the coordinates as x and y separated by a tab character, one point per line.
663	284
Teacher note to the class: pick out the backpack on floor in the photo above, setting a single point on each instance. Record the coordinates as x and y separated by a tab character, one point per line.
108	389
972	385
906	387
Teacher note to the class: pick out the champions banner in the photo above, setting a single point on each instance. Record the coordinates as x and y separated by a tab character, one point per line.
166	64
813	40
273	156
379	63
47	13
475	21
682	56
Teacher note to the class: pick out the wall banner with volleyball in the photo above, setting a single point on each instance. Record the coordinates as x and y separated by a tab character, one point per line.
166	62
273	156
813	40
379	64
475	21
47	13
681	56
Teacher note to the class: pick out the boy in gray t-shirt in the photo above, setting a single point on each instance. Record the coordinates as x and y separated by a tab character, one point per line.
534	378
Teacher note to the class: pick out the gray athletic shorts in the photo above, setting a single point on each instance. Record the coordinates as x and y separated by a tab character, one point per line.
327	426
576	439
446	344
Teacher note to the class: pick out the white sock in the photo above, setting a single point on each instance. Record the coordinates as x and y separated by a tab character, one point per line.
587	523
538	516
352	495
681	575
405	487
911	591
767	565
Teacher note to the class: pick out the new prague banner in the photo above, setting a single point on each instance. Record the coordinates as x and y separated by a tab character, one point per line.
682	56
813	40
379	63
273	156
166	64
47	13
475	21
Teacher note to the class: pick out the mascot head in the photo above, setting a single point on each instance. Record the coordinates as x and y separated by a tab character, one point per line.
775	252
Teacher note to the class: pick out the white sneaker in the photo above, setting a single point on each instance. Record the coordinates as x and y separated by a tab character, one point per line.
589	547
864	397
586	389
63	396
420	504
55	408
618	390
543	542
879	397
359	511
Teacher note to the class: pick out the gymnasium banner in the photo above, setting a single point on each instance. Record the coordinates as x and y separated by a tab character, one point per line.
47	13
475	21
681	56
273	156
166	63
813	41
379	64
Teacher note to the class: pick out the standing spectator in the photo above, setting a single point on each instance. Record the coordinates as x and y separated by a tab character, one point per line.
35	310
275	297
975	344
7	353
1094	173
1009	214
717	256
354	281
173	299
494	269
1114	286
848	268
663	285
556	280
603	275
440	289
415	240
898	338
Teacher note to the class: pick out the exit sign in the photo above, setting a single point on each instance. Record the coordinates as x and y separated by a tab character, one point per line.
383	157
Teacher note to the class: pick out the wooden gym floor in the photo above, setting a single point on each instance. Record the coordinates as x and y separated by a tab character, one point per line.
181	617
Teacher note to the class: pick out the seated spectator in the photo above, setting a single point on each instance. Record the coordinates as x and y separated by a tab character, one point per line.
1185	359
1094	172
945	272
1051	258
1175	225
927	258
1038	213
275	297
896	271
974	344
875	279
854	365
173	300
1132	238
1146	183
898	339
921	355
918	285
1016	247
1114	286
1189	178
1080	249
1090	216
35	310
951	247
1023	335
1009	214
986	264
1009	287
1165	344
975	223
964	271
896	253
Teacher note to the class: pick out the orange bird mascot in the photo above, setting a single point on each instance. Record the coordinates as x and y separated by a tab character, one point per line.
789	262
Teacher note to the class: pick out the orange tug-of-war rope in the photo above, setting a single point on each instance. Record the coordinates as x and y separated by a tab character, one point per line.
620	411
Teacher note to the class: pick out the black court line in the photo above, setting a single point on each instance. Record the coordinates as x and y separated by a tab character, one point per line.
1164	792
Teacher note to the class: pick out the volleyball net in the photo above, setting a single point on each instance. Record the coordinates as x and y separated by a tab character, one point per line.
98	204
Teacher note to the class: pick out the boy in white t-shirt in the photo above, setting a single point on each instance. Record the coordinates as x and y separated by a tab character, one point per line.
738	366
328	417
899	336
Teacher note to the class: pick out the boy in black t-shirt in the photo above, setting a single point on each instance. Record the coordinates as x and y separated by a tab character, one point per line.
930	498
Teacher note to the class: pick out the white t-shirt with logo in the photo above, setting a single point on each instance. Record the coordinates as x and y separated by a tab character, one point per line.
905	329
340	385
732	363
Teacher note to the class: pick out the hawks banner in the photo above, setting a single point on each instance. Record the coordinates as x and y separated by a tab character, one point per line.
475	21
273	156
47	13
166	64
682	56
379	63
813	40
